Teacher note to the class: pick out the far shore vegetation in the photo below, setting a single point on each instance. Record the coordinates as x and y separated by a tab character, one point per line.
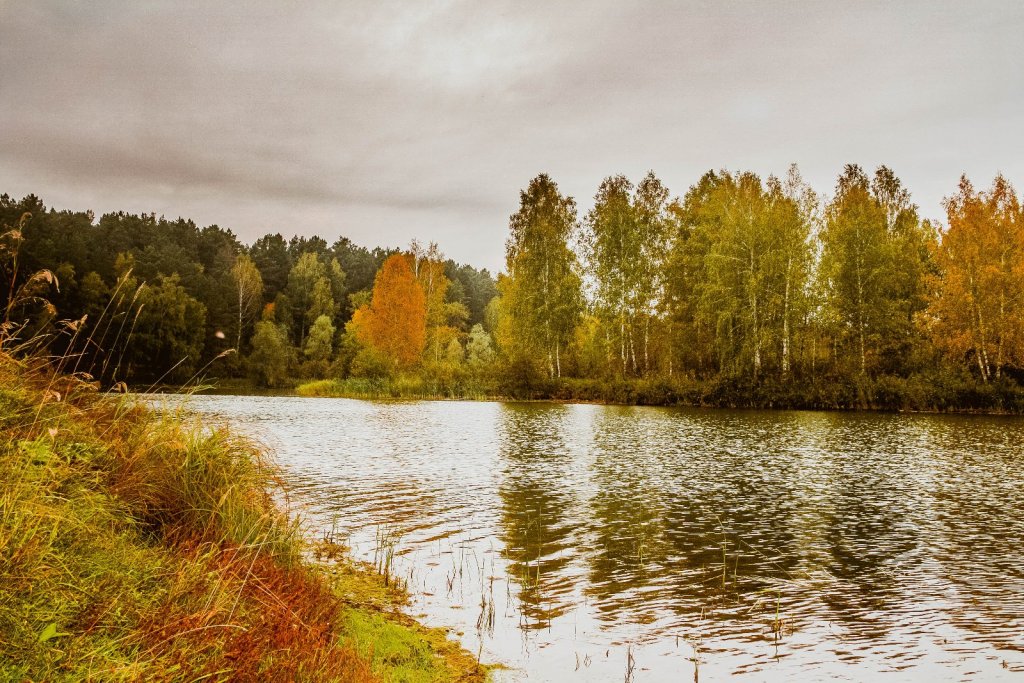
743	291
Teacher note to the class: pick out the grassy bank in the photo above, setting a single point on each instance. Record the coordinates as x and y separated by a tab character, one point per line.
402	387
939	393
136	546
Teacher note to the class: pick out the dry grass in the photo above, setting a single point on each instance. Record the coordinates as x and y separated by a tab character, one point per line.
137	546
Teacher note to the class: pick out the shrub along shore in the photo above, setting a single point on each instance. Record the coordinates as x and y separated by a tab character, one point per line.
914	394
138	546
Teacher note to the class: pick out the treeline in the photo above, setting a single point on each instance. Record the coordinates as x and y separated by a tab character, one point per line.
744	291
164	299
759	292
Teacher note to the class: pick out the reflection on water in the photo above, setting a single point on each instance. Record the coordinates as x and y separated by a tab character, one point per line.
561	540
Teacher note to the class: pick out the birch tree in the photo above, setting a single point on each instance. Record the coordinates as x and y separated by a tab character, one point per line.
689	241
302	297
738	269
978	300
736	297
613	255
249	288
794	207
541	294
650	205
429	266
871	286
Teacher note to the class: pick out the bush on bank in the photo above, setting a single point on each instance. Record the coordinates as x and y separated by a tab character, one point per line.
936	392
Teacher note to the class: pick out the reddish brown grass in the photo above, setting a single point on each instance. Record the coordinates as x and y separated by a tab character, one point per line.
285	625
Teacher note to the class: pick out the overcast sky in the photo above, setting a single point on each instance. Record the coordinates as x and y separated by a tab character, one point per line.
384	121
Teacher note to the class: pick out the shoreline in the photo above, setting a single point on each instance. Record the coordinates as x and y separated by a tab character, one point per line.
140	545
334	389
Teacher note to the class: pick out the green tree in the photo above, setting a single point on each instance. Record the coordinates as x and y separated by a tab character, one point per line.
613	256
339	285
320	340
735	297
454	354
270	254
429	266
690	341
303	295
271	353
479	349
93	294
249	290
794	217
542	296
166	336
625	241
321	301
912	243
650	213
216	251
870	293
737	272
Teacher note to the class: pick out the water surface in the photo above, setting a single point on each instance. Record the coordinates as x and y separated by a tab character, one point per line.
590	543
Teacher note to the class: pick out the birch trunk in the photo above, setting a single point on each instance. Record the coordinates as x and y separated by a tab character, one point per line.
785	319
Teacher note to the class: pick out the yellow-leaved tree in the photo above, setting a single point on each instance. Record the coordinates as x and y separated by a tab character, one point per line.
977	309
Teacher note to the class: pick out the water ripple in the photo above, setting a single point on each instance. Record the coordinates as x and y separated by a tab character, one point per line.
769	545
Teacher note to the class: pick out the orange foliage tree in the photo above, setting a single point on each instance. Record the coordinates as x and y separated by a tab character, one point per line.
395	322
979	297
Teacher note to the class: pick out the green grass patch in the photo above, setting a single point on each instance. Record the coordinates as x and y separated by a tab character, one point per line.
394	650
402	387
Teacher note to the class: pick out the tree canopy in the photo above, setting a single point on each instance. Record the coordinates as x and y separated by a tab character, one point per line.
759	290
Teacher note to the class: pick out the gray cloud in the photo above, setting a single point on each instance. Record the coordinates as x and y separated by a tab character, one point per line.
384	121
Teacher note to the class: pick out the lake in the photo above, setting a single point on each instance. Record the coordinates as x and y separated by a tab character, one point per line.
592	543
